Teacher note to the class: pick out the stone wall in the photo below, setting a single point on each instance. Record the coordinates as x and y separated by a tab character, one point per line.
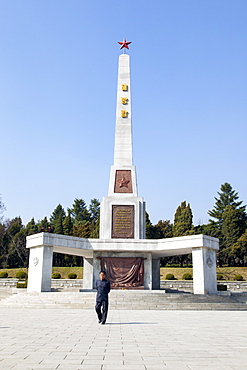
179	285
187	286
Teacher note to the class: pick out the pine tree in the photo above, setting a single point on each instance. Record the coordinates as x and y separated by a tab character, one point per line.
16	254
150	229
79	211
94	229
233	225
242	244
68	224
227	197
57	225
43	224
94	209
57	218
229	221
31	227
163	229
183	220
81	229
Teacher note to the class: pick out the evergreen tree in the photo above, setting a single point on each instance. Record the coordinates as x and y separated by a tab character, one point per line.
57	218
31	227
43	224
94	209
229	222
227	197
82	229
163	229
242	248
57	225
94	229
79	211
68	224
183	220
150	229
233	225
15	252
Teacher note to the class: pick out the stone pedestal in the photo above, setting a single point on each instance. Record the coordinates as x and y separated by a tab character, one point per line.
40	269
132	225
204	271
87	273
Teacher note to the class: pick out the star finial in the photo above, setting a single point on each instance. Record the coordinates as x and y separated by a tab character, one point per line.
124	44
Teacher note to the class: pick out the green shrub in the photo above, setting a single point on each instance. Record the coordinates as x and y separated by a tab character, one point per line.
21	275
170	277
72	276
21	284
3	275
219	277
238	277
187	276
56	275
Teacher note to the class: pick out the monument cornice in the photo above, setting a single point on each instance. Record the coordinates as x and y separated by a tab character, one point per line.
158	247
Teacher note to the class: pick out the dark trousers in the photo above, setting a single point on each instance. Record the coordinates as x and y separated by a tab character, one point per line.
101	308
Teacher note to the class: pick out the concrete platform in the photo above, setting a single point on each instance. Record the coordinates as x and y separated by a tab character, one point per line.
67	339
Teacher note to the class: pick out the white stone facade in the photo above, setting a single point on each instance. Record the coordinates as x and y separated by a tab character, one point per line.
203	249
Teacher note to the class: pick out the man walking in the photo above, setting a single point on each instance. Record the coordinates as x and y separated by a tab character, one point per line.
103	288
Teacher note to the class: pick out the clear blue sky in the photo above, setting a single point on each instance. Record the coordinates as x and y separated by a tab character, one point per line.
58	76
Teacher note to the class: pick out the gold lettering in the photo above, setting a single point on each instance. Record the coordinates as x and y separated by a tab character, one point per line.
124	100
124	87
124	113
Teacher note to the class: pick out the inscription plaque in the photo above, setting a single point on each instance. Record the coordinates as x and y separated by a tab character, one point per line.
122	222
123	183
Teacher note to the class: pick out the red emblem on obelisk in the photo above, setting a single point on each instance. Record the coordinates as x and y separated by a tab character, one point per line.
124	44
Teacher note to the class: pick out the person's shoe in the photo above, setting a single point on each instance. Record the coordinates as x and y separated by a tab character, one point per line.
99	321
103	323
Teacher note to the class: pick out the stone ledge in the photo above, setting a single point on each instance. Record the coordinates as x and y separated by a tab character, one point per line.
187	286
180	285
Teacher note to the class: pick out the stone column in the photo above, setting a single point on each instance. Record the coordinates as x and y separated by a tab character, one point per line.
148	271
88	273
40	269
156	274
204	271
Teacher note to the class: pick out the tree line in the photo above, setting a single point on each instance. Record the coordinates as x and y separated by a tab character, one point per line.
228	222
80	220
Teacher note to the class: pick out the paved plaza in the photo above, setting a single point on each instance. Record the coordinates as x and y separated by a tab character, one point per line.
72	339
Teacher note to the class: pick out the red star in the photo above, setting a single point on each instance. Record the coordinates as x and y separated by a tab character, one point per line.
123	183
124	44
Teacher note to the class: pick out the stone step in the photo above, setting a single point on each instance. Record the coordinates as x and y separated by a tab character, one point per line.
145	300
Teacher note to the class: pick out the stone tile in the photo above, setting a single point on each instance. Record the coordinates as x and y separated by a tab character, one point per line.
64	338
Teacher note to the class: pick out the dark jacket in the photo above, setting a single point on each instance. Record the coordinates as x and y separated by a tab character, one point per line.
103	288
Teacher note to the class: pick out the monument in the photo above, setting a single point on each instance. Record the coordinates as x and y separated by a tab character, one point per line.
130	260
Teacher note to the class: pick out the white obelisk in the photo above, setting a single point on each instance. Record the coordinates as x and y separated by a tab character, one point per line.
122	212
123	133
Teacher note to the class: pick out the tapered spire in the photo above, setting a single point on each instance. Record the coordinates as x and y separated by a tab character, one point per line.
123	131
